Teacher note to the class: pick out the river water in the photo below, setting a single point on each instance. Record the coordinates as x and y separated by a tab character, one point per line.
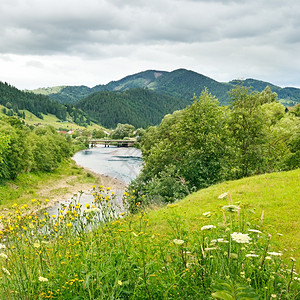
120	163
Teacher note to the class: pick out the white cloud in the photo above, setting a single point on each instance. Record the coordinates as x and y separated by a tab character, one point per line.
95	41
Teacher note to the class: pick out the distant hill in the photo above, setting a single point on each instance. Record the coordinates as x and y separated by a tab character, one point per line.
288	96
16	102
139	107
181	83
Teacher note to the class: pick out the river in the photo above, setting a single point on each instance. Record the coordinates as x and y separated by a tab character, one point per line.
120	163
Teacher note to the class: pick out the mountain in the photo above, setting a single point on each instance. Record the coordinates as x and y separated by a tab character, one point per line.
181	83
139	107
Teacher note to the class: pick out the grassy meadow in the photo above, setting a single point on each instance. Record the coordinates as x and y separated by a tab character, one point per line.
51	120
234	240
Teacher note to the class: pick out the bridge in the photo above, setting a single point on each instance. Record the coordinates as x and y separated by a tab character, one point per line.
118	143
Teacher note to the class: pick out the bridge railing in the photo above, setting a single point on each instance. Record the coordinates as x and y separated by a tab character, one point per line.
118	143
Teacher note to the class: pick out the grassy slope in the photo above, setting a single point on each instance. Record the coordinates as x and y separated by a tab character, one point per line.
52	120
276	194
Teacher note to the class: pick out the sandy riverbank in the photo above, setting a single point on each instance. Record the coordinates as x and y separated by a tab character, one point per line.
66	187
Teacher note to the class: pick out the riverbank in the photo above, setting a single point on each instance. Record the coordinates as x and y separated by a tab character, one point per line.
62	184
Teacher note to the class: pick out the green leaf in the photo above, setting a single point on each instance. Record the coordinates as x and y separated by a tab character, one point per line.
223	295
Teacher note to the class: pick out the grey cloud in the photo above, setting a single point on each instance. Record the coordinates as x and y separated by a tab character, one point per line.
61	26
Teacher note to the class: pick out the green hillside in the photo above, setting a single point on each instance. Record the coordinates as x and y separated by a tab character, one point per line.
15	102
138	107
274	195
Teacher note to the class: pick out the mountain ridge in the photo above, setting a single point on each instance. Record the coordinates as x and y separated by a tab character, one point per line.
179	83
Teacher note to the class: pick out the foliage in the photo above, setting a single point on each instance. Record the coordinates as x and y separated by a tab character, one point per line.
60	256
205	143
25	150
122	131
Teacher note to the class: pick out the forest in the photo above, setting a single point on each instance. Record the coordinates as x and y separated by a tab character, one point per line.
138	107
205	143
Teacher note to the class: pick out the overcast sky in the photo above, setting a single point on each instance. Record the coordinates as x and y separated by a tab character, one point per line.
88	42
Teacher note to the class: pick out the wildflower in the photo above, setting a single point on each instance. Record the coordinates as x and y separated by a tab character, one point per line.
206	214
120	282
3	255
231	208
208	227
5	271
178	242
172	205
240	237
254	230
222	196
251	255
92	210
43	279
37	245
108	188
275	253
69	225
2	246
87	205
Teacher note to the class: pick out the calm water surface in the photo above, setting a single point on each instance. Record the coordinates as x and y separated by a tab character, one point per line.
120	163
123	164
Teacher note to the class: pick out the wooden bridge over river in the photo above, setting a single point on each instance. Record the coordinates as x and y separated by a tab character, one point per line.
111	142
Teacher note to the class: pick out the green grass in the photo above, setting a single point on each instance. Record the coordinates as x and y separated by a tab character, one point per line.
166	253
27	185
276	194
52	120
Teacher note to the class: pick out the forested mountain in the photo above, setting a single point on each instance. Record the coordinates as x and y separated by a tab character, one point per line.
288	96
139	107
180	83
15	101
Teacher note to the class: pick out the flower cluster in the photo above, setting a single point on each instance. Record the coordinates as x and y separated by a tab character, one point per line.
241	238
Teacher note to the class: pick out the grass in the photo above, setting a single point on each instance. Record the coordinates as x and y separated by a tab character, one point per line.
52	120
276	195
187	250
28	185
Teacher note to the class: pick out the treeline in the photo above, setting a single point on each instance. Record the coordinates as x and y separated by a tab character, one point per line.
206	143
138	107
15	101
25	150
